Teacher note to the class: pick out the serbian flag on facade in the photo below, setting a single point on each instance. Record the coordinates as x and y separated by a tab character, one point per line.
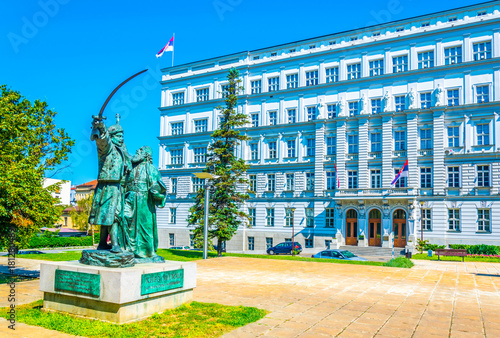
337	177
402	173
169	47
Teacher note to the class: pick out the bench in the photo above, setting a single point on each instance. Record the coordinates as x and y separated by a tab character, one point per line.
451	252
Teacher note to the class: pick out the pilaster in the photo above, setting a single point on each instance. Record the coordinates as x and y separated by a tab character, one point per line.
438	171
363	153
341	152
318	160
412	146
387	171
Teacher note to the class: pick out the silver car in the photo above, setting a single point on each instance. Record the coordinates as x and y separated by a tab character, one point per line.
338	254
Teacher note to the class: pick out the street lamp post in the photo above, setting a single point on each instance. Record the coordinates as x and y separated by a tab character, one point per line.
206	177
293	231
421	223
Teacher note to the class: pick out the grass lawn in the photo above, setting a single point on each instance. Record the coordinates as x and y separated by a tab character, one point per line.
456	259
189	320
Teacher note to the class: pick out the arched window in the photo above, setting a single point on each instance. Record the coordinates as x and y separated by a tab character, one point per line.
351	213
375	214
399	214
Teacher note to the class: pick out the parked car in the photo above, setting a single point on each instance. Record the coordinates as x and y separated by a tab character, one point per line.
180	247
285	247
338	254
30	252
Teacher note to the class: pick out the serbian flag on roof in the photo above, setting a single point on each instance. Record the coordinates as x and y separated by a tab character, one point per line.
169	47
402	173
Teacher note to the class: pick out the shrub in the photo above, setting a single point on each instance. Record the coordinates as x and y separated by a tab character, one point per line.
400	262
478	249
59	242
425	246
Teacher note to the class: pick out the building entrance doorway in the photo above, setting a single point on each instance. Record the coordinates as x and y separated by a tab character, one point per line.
399	228
374	231
351	230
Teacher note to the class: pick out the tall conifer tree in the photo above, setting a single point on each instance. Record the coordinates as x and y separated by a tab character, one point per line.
225	214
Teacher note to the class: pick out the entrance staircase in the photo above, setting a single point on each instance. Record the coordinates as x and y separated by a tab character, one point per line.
374	252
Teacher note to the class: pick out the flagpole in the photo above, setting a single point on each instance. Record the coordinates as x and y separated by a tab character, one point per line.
173	51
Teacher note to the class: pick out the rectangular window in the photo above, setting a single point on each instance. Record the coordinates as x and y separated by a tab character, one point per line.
290	182
177	128
288	217
309	217
200	126
453	97
426	219
454	219
399	140
376	67
354	71
483	220
312	78
272	150
425	178
483	175
331	145
426	60
291	115
269	242
376	142
331	180
353	108
290	148
330	218
426	138
454	177
453	136
425	100
251	243
173	185
173	215
311	147
310	181
270	217
292	81
252	181
353	146
312	113
256	86
273	118
400	102
401	182
176	156
177	98
400	64
273	84
200	155
332	74
332	111
255	120
352	179
375	179
376	106
309	243
198	183
171	239
271	182
453	55
252	220
224	90
254	151
482	94
481	50
483	134
202	94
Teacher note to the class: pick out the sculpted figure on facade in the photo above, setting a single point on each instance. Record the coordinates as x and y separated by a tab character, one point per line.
114	168
411	99
438	96
341	106
364	105
387	102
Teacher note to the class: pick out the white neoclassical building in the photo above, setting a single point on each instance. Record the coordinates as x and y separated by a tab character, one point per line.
333	121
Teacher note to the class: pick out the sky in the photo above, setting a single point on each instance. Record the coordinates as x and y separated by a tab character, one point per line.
73	53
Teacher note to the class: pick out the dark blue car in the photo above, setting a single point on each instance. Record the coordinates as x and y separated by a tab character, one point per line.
284	248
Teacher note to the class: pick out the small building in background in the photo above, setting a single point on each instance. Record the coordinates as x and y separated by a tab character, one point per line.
84	190
63	193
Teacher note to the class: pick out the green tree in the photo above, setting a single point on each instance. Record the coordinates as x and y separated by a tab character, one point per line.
30	146
225	198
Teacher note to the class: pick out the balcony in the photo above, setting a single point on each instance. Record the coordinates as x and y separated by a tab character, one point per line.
352	157
399	153
425	152
375	155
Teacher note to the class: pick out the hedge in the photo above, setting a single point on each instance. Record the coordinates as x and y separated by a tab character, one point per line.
478	249
59	242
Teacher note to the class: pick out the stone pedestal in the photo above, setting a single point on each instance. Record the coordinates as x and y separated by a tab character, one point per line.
118	295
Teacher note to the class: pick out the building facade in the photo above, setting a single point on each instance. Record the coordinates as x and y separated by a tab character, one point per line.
334	119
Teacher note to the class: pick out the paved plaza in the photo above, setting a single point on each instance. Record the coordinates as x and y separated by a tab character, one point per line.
306	299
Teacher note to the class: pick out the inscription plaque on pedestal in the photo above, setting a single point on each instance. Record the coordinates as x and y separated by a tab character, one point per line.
161	281
78	282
